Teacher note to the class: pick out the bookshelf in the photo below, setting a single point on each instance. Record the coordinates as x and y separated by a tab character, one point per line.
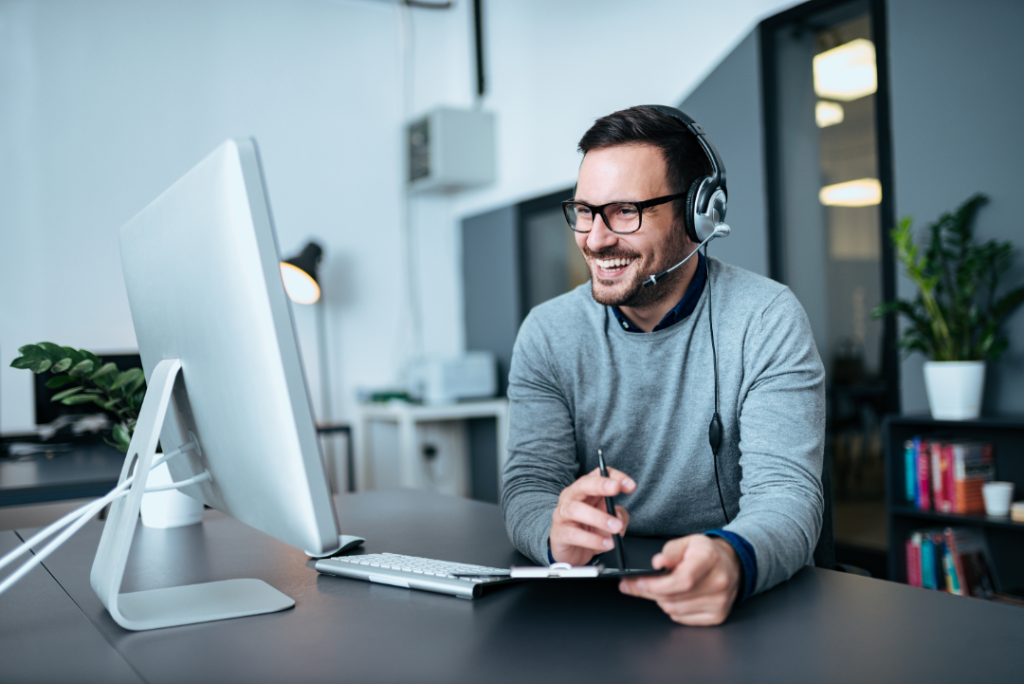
1005	538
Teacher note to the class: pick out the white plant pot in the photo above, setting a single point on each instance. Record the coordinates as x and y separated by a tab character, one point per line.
954	388
169	508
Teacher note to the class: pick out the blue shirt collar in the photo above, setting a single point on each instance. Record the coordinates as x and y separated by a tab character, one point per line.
681	310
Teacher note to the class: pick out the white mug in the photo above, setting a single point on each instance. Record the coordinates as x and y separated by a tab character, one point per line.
998	496
169	508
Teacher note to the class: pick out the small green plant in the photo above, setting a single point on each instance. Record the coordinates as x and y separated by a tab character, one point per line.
956	315
88	380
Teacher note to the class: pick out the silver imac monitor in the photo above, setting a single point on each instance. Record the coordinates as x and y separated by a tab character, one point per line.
226	393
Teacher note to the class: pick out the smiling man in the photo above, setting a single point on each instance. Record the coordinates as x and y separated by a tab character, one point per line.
627	364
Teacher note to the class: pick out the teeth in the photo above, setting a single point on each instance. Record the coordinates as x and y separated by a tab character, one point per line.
613	263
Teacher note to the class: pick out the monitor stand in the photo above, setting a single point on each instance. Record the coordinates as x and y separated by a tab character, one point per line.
170	606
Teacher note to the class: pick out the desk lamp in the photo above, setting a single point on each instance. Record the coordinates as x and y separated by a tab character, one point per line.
302	283
300	274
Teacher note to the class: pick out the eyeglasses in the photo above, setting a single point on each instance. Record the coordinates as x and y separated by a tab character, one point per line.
620	217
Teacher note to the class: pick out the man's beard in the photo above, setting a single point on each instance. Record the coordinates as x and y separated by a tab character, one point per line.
636	295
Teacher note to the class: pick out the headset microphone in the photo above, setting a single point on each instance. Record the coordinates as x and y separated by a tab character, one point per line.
721	230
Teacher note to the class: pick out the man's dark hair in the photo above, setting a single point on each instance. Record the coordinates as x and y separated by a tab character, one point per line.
685	159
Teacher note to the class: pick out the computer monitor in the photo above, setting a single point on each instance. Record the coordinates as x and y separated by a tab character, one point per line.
226	385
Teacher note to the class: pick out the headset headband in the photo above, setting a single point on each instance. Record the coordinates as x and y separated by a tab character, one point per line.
718	167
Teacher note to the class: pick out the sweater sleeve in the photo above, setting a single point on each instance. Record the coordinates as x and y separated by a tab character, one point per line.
541	444
782	435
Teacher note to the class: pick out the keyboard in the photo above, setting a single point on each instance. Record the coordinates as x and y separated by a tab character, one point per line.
413	572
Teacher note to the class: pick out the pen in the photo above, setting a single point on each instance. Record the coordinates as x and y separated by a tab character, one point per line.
619	553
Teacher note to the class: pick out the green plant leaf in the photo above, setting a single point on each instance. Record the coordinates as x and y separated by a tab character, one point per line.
122	437
51	351
83	399
41	366
62	365
81	368
32	351
135	400
135	385
104	370
25	362
60	396
75	355
58	381
127	377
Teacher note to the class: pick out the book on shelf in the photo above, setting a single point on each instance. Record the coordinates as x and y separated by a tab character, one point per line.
951	559
947	475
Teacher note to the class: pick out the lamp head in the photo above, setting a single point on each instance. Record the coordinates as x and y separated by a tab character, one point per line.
300	274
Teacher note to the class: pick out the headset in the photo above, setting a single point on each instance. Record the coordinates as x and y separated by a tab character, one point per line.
706	204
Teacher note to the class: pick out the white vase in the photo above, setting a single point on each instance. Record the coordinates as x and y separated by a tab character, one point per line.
954	388
169	508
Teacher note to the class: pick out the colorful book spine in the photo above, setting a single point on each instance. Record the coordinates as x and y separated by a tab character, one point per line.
973	466
924	501
951	559
948	501
952	582
914	560
910	468
938	493
928	562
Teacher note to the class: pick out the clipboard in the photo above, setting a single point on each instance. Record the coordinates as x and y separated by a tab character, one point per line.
567	571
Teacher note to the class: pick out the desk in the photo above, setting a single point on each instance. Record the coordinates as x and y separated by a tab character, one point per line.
821	626
66	472
407	416
44	637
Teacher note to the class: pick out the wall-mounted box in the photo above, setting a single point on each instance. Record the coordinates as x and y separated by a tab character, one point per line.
450	150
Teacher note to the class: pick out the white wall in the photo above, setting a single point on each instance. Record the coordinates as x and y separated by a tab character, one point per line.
552	68
103	104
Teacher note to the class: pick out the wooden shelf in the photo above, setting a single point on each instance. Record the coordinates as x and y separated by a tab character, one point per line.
950	519
1005	537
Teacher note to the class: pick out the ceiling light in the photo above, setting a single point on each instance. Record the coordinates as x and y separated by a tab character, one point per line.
865	192
846	72
828	113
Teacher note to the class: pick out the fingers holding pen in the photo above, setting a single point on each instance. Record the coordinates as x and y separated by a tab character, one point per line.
581	525
616	483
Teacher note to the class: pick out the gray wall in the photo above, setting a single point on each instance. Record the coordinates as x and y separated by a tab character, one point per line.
728	106
957	98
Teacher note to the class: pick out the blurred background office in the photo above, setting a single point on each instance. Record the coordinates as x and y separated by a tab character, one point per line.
104	104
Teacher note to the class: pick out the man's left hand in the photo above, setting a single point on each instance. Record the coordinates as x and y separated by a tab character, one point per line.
702	586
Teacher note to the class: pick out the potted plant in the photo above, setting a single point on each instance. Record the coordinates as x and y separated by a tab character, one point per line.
955	318
84	379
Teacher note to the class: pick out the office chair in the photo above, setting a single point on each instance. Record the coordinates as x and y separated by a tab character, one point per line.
825	549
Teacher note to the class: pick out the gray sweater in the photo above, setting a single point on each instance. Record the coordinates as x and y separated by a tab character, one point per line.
579	382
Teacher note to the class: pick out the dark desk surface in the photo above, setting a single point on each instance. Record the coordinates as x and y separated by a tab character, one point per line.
820	626
66	472
44	637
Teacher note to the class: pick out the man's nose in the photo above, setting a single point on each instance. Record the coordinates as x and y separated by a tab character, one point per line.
600	236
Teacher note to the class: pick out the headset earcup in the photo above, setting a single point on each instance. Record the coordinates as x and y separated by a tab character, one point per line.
691	203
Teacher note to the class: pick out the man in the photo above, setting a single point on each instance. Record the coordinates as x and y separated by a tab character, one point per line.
629	368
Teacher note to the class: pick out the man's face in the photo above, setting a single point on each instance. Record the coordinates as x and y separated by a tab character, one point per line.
620	263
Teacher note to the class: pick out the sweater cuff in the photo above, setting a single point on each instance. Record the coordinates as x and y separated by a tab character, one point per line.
748	561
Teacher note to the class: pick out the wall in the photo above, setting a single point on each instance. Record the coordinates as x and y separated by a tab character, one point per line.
957	94
104	104
727	104
551	70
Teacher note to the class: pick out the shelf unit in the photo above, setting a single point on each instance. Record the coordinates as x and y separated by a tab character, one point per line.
1005	538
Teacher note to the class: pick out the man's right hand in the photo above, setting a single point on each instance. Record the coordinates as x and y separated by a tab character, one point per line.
580	525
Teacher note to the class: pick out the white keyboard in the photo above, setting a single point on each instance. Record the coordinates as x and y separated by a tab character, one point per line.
413	572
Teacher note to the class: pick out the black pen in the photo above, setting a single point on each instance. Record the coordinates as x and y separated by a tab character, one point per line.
611	511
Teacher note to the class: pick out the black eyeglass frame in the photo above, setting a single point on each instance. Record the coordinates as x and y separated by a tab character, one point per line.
599	210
